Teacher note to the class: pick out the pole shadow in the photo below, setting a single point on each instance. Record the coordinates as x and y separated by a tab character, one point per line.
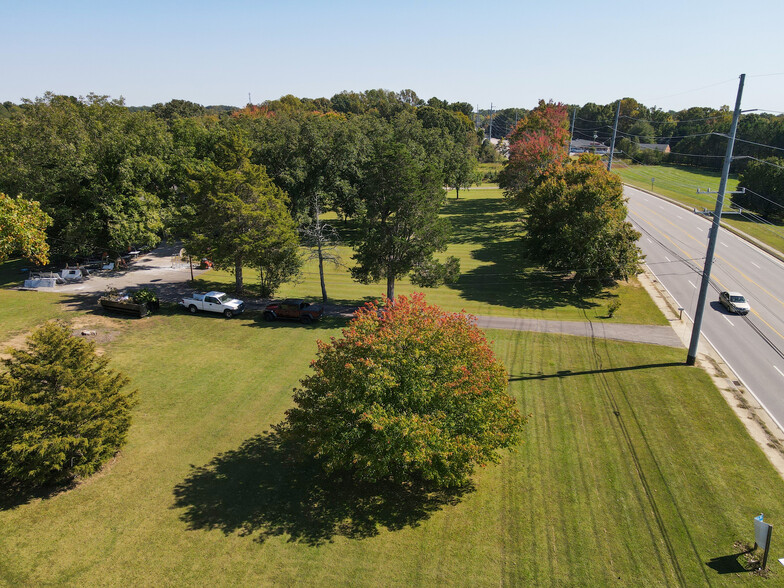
265	488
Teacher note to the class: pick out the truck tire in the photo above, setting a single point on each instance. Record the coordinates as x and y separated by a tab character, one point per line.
228	313
269	316
306	319
193	308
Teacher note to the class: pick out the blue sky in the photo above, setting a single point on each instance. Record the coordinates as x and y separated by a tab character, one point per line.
669	54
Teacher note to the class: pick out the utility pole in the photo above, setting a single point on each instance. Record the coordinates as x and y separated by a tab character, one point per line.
571	134
491	123
249	100
691	358
615	130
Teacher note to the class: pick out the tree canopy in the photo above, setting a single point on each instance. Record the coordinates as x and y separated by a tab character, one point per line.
400	228
408	393
576	223
237	216
63	411
23	229
537	143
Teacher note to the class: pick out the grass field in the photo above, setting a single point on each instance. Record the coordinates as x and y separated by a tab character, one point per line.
681	183
495	278
633	471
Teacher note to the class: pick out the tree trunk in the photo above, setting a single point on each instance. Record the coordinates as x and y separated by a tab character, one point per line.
238	274
457	192
321	275
391	286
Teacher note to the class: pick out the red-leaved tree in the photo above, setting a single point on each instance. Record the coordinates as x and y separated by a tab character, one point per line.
409	393
537	144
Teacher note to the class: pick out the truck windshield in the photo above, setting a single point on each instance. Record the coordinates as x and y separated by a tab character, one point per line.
220	298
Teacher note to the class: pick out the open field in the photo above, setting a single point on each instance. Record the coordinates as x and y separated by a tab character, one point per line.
633	471
681	183
495	278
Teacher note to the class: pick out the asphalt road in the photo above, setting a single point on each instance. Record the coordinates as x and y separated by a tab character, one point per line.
675	242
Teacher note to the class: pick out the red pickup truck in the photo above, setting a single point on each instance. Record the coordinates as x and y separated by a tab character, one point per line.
293	309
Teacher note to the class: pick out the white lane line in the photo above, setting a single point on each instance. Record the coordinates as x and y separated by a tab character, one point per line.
692	285
728	320
699	229
649	241
679	216
755	265
667	258
660	206
725	245
778	370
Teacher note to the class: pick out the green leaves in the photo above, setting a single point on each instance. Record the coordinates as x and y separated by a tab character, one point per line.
63	412
408	393
23	229
576	223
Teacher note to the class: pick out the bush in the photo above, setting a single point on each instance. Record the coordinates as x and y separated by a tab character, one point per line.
62	410
409	393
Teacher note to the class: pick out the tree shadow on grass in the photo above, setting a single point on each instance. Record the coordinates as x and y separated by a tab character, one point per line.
510	280
13	495
266	489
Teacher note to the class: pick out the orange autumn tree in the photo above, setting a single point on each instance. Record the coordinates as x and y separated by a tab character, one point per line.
536	147
409	393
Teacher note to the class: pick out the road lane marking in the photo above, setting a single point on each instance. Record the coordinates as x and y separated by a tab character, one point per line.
667	258
728	320
699	229
778	370
692	285
717	256
755	265
725	245
649	241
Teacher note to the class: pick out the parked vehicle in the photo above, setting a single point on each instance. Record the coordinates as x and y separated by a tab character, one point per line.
734	302
213	302
293	309
137	302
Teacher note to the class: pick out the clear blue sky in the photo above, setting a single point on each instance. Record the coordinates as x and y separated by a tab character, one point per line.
672	54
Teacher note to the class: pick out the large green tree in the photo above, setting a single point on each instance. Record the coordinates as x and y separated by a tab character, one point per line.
408	393
400	229
99	170
237	216
576	223
63	411
23	229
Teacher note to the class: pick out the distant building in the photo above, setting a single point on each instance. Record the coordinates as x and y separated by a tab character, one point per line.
663	147
583	146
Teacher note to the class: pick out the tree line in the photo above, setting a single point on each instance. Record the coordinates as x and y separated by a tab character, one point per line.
240	186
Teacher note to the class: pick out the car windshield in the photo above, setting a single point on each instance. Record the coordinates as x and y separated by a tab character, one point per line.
737	299
220	297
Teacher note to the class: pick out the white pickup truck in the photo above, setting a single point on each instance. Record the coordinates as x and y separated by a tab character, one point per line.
213	302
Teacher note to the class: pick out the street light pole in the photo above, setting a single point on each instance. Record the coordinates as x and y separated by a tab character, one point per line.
691	358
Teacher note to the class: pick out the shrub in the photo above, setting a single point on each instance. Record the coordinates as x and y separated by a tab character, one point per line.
62	410
409	393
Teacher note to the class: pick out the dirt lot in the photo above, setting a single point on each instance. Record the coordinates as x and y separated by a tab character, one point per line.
160	268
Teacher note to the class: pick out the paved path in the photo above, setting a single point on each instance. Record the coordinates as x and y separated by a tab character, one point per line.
655	334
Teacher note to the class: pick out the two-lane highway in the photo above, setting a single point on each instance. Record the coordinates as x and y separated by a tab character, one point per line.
675	241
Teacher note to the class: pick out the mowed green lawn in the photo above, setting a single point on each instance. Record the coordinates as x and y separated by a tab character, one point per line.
633	471
495	277
681	184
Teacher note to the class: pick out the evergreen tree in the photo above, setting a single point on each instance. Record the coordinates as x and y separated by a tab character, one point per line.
63	412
